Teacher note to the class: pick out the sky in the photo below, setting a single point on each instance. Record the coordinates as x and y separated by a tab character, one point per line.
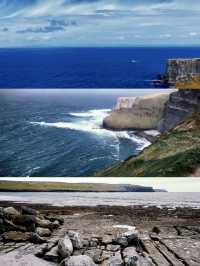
72	23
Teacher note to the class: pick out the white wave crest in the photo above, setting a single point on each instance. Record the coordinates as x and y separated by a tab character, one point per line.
91	122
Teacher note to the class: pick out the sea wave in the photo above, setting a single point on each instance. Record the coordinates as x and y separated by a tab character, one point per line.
91	122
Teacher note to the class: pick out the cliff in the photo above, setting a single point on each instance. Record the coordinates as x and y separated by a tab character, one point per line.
181	104
181	72
173	154
143	112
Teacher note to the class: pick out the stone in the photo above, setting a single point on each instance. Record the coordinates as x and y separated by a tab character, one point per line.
10	211
36	239
114	261
113	248
107	239
81	260
130	256
43	223
26	220
95	254
16	236
55	224
28	210
2	226
39	252
10	226
76	239
131	236
43	231
106	255
52	255
86	243
15	258
53	218
121	240
65	247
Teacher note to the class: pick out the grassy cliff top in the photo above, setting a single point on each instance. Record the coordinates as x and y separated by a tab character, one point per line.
174	154
192	83
27	186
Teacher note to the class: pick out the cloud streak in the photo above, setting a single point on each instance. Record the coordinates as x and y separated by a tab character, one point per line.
99	22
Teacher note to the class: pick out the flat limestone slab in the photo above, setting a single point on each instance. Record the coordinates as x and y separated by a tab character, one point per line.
16	259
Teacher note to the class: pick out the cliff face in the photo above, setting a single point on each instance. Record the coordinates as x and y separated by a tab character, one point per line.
174	154
137	112
182	69
181	105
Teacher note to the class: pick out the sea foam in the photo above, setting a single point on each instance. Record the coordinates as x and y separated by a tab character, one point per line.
91	122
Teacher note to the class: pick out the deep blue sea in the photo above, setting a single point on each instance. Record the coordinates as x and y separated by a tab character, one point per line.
59	133
86	67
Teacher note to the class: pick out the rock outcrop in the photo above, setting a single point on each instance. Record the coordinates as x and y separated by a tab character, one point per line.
181	104
143	112
182	69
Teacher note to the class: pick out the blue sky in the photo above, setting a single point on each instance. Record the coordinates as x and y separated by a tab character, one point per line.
52	23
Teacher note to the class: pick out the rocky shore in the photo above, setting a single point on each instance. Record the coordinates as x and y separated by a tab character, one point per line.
103	235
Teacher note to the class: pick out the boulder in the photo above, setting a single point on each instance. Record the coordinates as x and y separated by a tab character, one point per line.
54	218
2	212
114	261
52	255
2	226
132	258
43	223
81	260
106	255
28	210
10	226
36	239
28	221
76	239
55	224
131	236
65	247
16	236
43	231
94	254
121	240
10	211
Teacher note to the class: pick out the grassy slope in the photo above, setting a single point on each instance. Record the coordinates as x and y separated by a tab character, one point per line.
54	186
193	83
176	153
68	187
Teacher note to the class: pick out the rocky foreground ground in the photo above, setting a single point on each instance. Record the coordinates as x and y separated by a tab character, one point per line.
107	236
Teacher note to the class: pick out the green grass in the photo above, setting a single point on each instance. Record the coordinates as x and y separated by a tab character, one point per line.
54	186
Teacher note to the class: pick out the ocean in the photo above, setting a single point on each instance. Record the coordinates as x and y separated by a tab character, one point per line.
170	200
59	133
86	67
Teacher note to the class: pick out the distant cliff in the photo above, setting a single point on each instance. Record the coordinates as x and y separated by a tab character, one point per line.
182	70
142	112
